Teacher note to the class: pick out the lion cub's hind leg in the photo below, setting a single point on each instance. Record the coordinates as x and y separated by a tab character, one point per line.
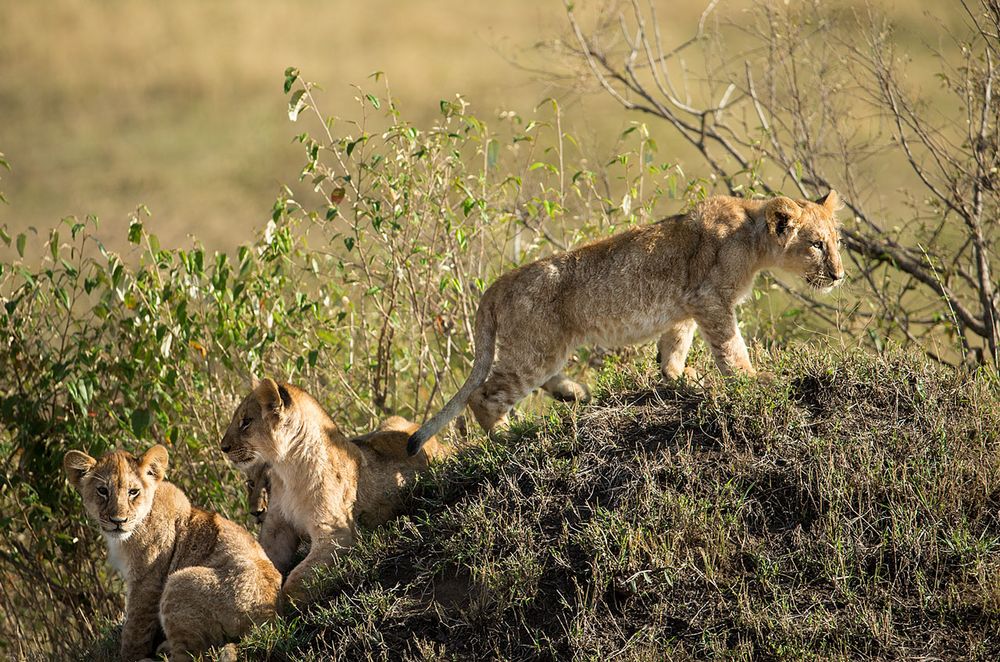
509	383
192	610
673	348
564	389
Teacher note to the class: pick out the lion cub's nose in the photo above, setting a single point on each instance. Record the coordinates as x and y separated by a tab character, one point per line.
226	447
118	520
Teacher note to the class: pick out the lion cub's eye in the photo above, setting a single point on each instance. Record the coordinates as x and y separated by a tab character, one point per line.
102	492
133	493
249	484
245	423
818	245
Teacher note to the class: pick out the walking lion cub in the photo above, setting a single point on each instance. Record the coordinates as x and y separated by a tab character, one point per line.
321	484
661	280
192	576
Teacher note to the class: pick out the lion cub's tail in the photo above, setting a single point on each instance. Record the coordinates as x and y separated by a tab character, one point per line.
486	335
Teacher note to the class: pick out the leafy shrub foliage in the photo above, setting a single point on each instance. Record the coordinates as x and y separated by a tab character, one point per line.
361	287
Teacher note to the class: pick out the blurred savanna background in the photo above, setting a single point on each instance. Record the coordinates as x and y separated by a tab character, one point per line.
176	106
320	191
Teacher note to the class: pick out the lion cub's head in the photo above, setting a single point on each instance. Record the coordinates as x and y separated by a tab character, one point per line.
117	489
258	487
256	434
808	236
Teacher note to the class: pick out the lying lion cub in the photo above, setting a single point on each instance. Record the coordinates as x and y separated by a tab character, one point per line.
191	575
661	280
388	439
321	483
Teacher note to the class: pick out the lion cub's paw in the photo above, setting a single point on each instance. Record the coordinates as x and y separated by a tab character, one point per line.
692	375
565	389
228	653
687	376
766	377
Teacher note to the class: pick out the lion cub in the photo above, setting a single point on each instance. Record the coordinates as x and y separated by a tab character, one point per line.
191	575
661	280
258	485
321	483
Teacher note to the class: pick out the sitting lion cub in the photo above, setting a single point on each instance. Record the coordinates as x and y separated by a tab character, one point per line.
661	280
321	483
196	575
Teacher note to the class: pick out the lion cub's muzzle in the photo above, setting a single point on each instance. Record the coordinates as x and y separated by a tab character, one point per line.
114	525
240	457
827	281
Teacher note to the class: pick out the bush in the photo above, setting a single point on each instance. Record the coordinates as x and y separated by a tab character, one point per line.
364	295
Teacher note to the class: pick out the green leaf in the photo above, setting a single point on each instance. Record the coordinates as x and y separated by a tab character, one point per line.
326	336
492	153
140	420
354	143
21	240
373	100
296	105
291	75
135	232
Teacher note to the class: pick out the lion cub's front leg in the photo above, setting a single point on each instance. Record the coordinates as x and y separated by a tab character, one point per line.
726	342
280	541
322	549
673	348
142	623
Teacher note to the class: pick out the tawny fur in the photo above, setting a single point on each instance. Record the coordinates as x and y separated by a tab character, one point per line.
388	440
191	576
657	281
322	485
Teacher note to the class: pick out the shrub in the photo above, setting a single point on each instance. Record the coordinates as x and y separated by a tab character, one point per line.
362	288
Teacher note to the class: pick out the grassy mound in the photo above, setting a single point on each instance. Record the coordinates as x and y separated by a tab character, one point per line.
848	509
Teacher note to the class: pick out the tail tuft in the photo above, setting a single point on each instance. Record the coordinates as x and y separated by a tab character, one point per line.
415	442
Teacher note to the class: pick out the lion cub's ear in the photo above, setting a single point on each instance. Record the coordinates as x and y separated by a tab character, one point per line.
272	397
77	464
831	201
154	462
782	216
